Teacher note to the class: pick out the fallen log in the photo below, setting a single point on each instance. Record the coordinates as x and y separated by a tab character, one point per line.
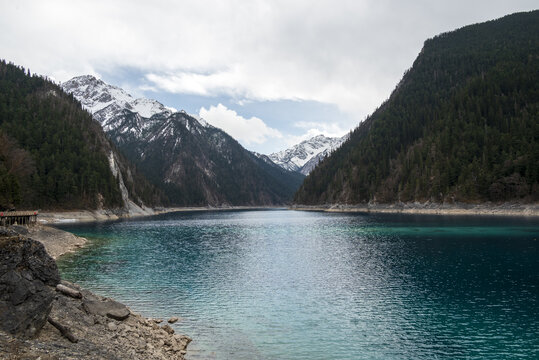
68	291
63	330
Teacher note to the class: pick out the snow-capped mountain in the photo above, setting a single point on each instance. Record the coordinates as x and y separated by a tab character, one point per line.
304	156
193	162
107	102
124	118
95	95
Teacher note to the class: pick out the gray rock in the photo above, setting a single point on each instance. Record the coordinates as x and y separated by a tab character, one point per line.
109	308
173	319
22	230
168	329
27	273
7	232
185	340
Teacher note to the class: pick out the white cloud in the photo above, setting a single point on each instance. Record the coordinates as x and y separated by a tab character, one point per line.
255	134
246	131
330	128
350	53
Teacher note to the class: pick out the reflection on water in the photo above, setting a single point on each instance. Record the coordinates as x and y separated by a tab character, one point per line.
298	285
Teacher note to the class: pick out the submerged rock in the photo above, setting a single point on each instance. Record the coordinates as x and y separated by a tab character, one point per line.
27	274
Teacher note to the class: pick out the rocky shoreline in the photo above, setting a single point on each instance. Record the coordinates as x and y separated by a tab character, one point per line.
73	216
43	317
430	208
76	216
57	242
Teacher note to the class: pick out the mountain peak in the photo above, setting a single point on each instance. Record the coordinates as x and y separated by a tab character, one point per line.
83	79
304	156
106	101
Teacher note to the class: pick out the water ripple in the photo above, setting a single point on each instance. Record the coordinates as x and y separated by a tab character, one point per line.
297	285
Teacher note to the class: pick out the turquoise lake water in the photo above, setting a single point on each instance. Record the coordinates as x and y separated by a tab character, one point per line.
306	285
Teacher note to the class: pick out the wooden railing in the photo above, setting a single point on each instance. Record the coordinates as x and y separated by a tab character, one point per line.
18	218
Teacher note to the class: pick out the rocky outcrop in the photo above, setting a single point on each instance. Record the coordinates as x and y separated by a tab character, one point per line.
27	275
41	317
95	334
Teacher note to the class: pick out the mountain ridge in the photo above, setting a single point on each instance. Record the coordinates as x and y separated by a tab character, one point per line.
459	127
193	162
95	95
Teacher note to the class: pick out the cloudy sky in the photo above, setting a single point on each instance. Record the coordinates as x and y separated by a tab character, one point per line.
269	72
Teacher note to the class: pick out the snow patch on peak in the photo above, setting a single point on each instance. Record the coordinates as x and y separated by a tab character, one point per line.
147	108
201	120
304	156
107	103
96	95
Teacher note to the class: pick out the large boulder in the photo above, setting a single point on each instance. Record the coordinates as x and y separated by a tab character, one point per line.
28	276
107	307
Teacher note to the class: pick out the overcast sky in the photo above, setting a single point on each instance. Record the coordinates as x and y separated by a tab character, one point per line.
270	73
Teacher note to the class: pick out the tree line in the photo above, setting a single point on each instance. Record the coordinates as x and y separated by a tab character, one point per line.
53	155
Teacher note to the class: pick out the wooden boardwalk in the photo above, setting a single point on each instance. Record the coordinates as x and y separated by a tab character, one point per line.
18	218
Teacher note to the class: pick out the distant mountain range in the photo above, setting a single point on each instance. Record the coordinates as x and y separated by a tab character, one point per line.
304	156
461	126
193	162
107	104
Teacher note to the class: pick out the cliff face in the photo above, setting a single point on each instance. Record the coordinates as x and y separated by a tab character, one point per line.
461	126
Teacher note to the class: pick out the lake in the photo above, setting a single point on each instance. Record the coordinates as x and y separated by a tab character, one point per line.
281	284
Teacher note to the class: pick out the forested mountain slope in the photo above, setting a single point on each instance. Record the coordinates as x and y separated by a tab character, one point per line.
462	125
200	165
53	155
